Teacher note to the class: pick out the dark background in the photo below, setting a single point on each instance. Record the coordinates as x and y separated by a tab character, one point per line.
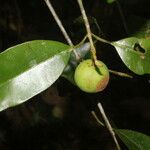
60	117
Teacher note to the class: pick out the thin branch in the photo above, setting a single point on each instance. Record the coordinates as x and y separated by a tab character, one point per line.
87	25
59	23
108	125
122	74
100	39
97	25
82	41
96	118
122	17
48	3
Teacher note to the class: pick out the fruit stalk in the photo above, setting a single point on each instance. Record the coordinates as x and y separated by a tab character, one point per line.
89	33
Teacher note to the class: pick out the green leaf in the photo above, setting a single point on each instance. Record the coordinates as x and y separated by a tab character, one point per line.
134	140
110	1
135	53
29	68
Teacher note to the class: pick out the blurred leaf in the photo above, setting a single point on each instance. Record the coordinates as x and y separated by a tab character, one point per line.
110	1
82	51
134	140
29	68
69	73
135	53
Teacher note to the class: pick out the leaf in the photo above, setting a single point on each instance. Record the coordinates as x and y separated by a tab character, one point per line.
29	68
110	1
69	73
135	53
82	51
134	140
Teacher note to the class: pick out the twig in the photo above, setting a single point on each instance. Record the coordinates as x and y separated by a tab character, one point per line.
108	125
97	25
96	118
82	41
122	74
122	17
89	33
100	39
48	3
59	23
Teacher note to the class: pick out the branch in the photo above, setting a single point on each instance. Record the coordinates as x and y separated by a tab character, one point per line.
108	125
100	39
122	74
97	119
59	23
87	25
122	17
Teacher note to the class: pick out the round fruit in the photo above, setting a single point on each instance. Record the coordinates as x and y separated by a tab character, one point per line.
91	78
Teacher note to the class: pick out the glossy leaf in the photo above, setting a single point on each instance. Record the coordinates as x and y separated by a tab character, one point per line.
29	68
134	140
135	53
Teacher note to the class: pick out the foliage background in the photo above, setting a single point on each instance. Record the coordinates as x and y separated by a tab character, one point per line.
60	118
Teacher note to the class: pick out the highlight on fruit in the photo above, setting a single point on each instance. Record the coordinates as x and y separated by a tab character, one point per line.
90	77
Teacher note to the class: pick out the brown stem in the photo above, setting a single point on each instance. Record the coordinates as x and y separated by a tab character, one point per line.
100	39
96	118
89	33
122	74
59	23
108	125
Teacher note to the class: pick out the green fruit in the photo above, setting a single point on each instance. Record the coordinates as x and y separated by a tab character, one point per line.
90	78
